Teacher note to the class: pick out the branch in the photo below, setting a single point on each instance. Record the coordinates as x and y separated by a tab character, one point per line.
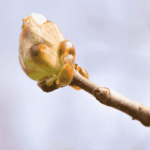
111	98
32	24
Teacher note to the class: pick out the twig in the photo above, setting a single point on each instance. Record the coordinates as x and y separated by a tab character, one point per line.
111	98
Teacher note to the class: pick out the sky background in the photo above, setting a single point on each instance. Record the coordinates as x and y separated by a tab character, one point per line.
112	42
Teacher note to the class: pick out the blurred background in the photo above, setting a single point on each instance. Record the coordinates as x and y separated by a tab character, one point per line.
112	42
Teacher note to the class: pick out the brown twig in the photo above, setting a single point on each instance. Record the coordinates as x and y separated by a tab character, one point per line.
111	98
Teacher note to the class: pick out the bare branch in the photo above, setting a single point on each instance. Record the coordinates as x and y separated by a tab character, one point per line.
111	98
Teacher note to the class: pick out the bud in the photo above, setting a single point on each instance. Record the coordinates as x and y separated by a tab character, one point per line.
45	55
37	29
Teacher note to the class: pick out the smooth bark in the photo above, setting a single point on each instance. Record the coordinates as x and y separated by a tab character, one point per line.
111	98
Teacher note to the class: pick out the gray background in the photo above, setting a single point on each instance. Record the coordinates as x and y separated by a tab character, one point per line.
112	41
